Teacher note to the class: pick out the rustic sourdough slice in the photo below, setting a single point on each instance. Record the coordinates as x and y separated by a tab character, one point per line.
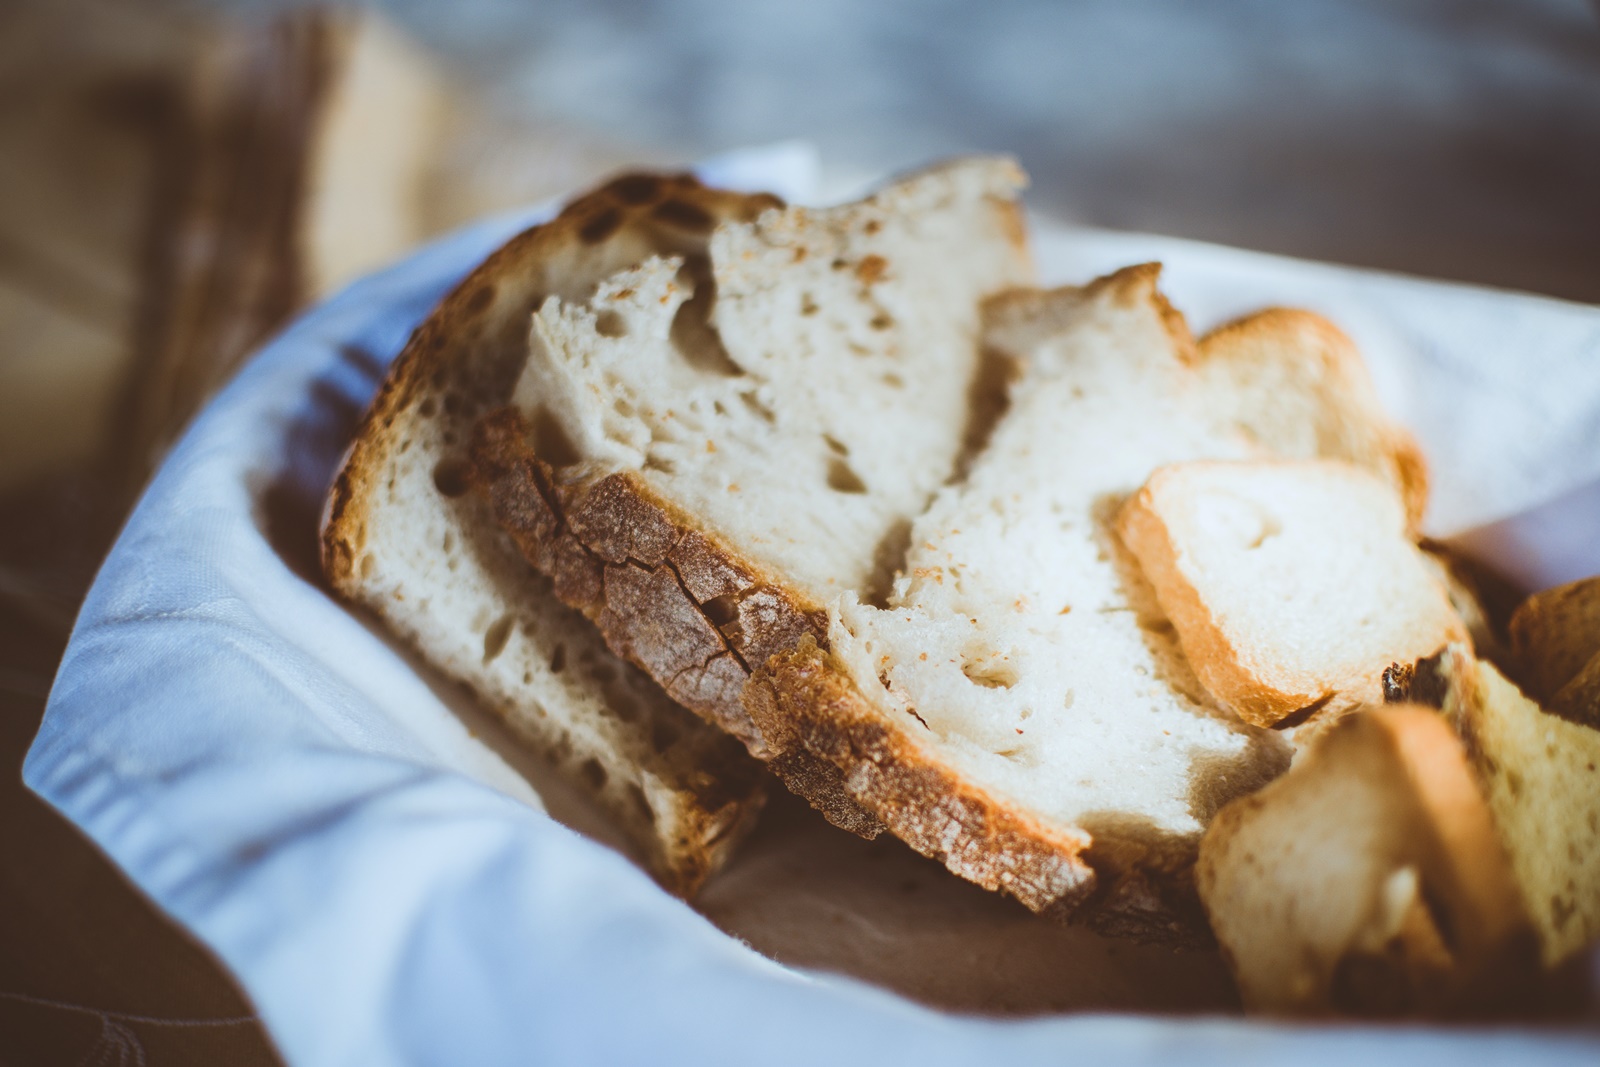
1021	709
402	537
1541	774
709	448
1290	584
1368	880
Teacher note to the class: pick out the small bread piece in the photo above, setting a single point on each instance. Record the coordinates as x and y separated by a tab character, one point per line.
1554	634
1368	880
1291	585
1541	774
403	537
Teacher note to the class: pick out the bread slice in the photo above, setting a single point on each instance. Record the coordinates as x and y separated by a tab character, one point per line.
1555	633
1291	585
402	537
707	449
1368	880
1021	708
1579	700
1541	774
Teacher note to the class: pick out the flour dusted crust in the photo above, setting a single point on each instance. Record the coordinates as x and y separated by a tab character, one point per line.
403	536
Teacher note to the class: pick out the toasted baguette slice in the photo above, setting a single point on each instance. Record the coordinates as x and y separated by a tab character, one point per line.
402	537
1541	774
1367	880
1291	585
1555	633
707	449
1021	708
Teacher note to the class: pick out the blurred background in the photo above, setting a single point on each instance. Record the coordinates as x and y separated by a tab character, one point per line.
177	179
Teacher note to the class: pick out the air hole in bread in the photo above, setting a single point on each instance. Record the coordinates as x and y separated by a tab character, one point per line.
450	476
988	397
881	321
836	446
894	381
989	669
888	560
610	324
428	408
494	639
622	407
842	478
550	440
1240	521
448	542
721	610
593	773
367	566
691	334
558	659
754	403
657	462
808	304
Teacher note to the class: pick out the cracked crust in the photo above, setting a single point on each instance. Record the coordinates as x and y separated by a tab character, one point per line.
667	596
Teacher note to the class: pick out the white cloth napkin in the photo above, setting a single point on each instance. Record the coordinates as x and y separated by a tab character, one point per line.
387	891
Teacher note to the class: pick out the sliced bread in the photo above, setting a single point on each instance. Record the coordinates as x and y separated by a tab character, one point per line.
1554	635
1541	774
1291	585
707	449
1368	880
404	538
1021	708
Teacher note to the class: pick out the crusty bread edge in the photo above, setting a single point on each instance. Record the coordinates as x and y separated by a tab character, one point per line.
1215	660
644	573
681	865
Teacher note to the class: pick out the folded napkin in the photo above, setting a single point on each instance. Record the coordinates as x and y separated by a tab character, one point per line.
269	770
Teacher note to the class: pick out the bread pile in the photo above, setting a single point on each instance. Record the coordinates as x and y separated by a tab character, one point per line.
1033	579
